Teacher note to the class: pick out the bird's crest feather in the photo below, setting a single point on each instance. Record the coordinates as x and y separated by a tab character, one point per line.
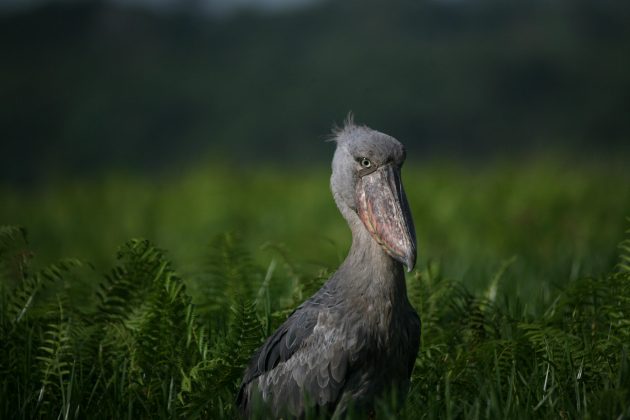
339	132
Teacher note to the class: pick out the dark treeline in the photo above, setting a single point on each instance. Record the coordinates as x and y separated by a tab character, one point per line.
90	86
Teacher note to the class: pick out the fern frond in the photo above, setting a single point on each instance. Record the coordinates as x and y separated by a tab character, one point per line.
126	287
229	272
23	296
149	320
55	365
212	384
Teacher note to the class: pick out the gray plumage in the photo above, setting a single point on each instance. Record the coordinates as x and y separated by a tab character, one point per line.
358	336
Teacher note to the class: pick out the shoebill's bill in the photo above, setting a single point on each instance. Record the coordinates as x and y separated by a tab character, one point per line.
357	338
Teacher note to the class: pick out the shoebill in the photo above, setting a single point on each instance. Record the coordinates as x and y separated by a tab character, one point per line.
357	338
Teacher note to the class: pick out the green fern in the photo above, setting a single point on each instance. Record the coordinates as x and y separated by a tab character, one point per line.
212	384
55	367
229	272
142	349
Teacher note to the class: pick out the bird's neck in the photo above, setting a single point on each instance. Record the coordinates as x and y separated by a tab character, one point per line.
368	270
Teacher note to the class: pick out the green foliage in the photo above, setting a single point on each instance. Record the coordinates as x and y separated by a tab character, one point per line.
140	350
559	222
484	358
143	351
523	294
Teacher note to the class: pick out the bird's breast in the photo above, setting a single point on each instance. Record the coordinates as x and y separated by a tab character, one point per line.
381	327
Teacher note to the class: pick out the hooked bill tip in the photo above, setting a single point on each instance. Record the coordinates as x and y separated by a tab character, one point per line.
410	263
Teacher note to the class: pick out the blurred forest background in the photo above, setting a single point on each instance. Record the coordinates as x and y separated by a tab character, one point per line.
152	86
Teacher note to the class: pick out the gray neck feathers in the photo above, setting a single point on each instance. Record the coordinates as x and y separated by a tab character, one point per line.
368	271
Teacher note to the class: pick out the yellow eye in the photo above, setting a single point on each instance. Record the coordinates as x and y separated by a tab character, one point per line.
365	162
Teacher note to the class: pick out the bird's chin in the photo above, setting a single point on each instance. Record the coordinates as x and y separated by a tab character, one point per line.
383	209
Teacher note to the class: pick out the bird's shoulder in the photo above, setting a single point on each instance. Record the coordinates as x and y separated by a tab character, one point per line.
308	354
307	322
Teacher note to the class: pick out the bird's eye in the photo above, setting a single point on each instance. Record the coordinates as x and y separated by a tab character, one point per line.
365	162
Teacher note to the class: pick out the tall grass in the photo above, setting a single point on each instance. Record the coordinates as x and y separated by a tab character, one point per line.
523	291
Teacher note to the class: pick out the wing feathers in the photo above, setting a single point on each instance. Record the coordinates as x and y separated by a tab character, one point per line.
304	357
